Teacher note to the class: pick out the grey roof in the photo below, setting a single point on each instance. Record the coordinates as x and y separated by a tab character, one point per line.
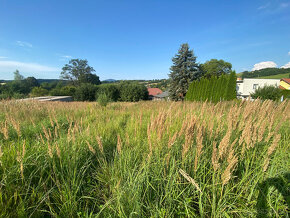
162	95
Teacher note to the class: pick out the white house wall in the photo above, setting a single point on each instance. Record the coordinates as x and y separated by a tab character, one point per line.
248	86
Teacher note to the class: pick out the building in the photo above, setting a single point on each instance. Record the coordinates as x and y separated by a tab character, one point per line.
50	98
285	84
164	96
247	86
153	92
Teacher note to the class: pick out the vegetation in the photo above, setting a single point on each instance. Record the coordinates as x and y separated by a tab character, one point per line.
277	76
79	72
213	89
267	92
146	159
216	68
266	72
183	71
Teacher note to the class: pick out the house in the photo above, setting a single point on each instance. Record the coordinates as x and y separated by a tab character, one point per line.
285	83
247	86
164	96
153	92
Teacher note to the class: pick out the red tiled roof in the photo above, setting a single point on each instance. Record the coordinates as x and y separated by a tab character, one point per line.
286	80
154	91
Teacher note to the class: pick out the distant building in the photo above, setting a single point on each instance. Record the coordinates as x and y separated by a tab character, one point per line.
164	96
247	86
285	83
50	98
153	92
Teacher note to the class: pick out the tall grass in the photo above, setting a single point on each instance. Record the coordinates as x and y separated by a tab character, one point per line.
155	159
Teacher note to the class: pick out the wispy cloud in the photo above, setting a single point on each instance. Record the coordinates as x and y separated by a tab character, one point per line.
2	57
11	66
286	65
264	64
264	6
66	56
288	52
285	5
24	44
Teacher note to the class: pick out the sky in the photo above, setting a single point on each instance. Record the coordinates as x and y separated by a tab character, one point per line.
137	39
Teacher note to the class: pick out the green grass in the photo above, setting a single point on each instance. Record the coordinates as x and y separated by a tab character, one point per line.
278	76
53	164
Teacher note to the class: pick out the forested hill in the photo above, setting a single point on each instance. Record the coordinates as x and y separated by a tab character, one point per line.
266	72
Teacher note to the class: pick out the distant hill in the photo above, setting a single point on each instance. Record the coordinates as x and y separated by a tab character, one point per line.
274	73
278	76
109	81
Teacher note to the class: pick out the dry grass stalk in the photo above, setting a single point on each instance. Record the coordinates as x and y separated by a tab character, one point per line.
226	176
119	144
45	133
214	158
57	150
189	179
199	146
99	140
270	151
261	131
172	140
16	126
49	150
149	139
223	146
91	148
5	130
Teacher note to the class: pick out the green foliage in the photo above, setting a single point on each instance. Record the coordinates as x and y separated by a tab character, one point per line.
133	92
78	71
267	92
38	91
183	71
85	92
103	99
216	68
265	72
112	91
18	76
213	89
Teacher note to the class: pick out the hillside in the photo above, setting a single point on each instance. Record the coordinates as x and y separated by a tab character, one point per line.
266	73
278	76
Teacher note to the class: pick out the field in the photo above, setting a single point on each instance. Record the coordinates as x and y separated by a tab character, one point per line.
278	76
159	159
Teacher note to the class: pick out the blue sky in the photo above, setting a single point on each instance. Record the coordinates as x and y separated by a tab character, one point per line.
136	39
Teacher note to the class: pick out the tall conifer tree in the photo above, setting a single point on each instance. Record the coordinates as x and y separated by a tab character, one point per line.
183	71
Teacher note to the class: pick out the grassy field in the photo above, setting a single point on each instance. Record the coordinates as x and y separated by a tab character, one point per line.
278	76
157	159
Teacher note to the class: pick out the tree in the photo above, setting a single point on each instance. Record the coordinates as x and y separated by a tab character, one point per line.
78	71
183	71
133	92
267	92
216	67
31	82
18	76
38	91
86	92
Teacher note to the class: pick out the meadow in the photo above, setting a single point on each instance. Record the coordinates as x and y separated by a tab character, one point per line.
145	159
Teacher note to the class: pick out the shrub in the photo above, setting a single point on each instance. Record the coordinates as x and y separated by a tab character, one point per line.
103	100
133	92
111	91
38	91
85	92
267	92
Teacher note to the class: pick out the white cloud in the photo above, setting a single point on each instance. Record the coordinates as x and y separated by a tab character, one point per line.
2	57
286	65
24	44
288	52
264	6
284	5
11	66
66	56
265	64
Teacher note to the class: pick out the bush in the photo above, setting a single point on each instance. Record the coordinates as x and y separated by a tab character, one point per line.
85	92
103	100
267	92
38	91
111	91
133	92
